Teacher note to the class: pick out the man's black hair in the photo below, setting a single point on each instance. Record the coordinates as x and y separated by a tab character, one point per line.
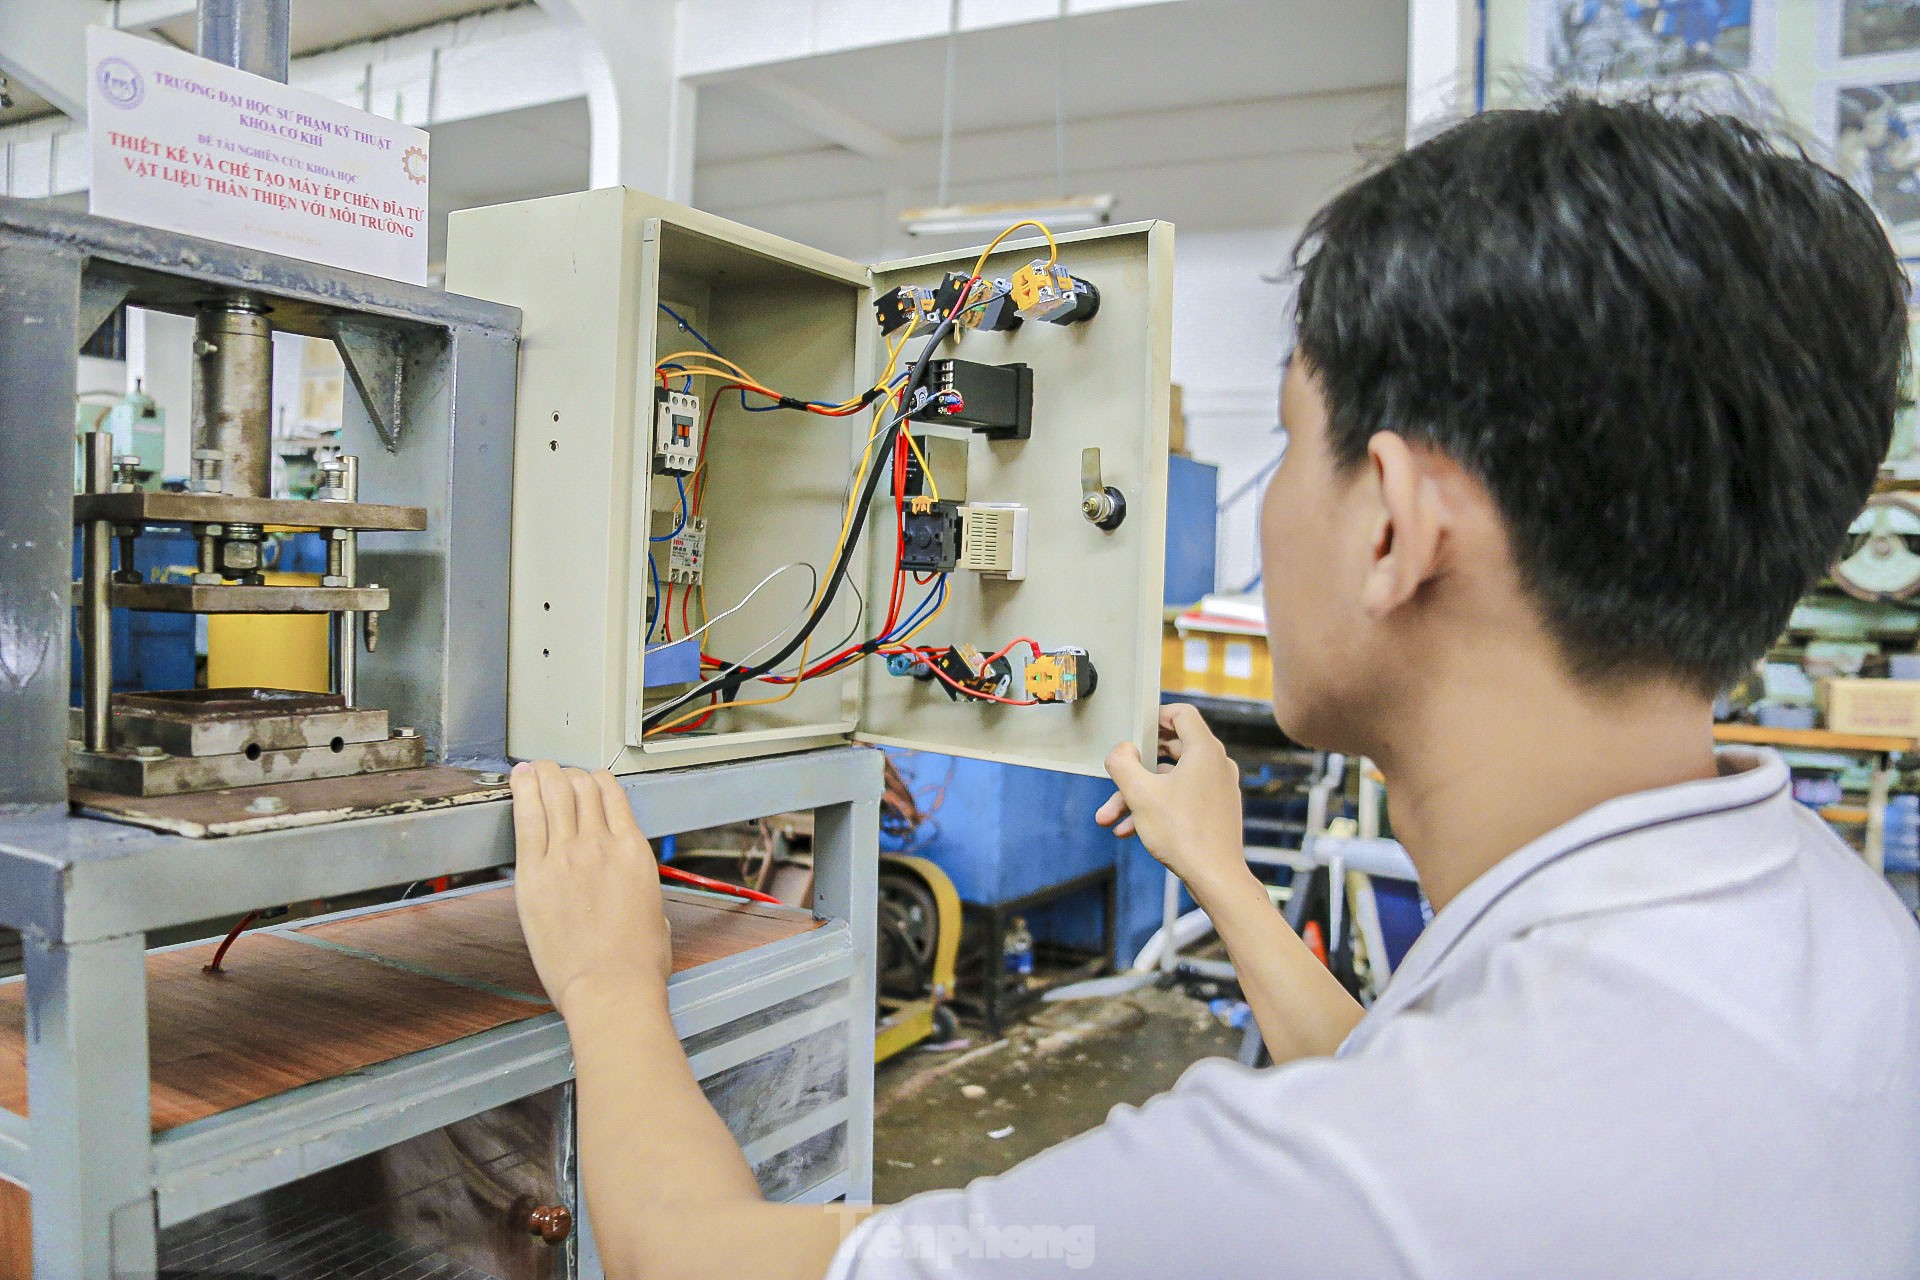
1670	351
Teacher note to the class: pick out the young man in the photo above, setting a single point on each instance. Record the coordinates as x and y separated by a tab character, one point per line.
1584	398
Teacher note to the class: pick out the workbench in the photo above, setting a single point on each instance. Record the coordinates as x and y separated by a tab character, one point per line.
84	893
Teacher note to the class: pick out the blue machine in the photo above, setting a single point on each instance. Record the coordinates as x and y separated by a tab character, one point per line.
150	650
1193	496
1003	832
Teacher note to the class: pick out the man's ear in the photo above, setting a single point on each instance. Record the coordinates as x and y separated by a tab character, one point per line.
1413	522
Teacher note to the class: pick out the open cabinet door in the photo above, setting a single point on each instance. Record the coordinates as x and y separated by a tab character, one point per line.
1098	384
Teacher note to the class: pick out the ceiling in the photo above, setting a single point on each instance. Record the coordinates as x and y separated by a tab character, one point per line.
27	104
317	25
328	24
1121	62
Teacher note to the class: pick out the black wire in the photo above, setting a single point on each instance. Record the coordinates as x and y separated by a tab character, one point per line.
728	685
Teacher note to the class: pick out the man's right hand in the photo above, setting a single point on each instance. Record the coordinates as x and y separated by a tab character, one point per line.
1187	816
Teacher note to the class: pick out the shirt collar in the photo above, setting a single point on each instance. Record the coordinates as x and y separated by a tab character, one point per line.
1532	884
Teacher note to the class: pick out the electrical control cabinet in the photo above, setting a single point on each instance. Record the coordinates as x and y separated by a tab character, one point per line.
624	296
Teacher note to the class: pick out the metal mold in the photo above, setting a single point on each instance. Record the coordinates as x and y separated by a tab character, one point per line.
213	722
130	774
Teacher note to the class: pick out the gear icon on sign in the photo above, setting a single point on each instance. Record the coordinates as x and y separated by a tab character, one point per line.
415	164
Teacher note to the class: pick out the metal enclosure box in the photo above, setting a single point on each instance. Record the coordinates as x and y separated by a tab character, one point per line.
589	273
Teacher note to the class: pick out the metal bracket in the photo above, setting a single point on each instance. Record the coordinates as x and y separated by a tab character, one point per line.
376	360
99	299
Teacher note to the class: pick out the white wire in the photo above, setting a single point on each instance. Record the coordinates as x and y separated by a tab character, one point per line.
768	643
797	564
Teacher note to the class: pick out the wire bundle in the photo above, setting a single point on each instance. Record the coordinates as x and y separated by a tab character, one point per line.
887	448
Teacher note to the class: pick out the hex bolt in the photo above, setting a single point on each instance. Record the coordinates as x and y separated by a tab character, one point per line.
491	779
149	753
406	731
266	804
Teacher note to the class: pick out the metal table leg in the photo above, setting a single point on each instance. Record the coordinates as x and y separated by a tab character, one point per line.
846	885
93	1207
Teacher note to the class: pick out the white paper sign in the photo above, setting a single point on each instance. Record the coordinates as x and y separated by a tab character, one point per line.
193	146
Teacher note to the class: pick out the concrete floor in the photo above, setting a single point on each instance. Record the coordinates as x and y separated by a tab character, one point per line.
1051	1077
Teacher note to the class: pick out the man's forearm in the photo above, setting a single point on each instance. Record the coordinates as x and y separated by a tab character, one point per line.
1302	1009
669	1192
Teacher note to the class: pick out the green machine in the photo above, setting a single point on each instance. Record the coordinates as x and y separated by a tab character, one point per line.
139	429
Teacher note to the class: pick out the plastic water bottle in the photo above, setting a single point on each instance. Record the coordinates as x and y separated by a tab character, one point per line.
1900	837
1018	951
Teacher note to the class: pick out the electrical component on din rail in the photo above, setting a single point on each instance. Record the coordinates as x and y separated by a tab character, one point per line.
993	539
687	551
932	536
1045	290
676	433
994	399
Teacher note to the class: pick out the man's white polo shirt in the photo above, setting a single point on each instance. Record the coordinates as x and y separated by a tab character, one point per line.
1678	1036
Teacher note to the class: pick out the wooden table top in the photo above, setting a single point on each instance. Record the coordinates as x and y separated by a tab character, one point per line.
1811	739
361	991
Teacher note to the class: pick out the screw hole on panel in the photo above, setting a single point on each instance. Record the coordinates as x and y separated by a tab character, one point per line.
337	745
546	653
556	415
553	446
253	751
545	605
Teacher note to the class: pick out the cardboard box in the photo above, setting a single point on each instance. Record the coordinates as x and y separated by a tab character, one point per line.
1223	665
1890	707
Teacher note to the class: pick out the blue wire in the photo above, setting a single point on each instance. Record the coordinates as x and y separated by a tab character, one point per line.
920	612
697	335
654	621
681	485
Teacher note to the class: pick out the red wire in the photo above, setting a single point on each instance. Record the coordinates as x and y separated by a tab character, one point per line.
220	952
669	872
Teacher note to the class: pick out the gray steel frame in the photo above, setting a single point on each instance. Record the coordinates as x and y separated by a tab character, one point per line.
83	892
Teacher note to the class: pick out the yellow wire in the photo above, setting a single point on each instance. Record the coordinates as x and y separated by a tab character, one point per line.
925	470
1053	248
